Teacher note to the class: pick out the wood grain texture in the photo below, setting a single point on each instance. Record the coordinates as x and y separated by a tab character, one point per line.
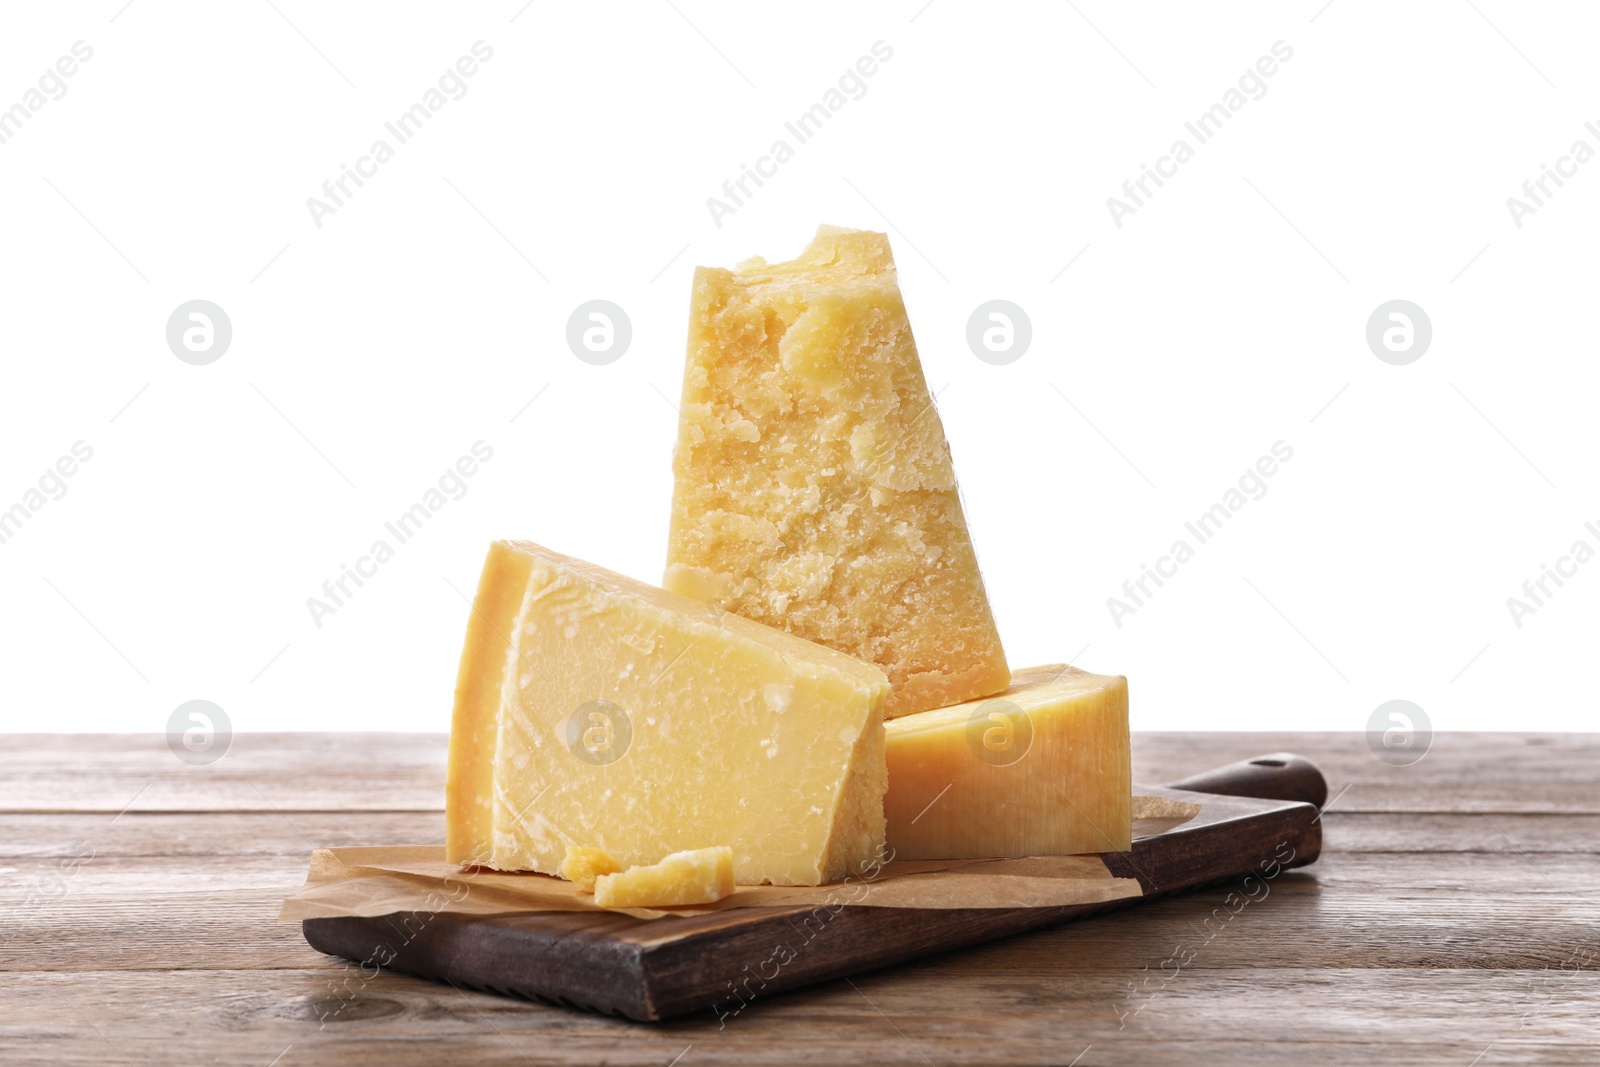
1453	914
1481	909
938	1012
259	772
1465	772
202	836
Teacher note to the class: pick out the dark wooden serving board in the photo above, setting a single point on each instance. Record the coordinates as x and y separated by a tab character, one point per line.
1255	816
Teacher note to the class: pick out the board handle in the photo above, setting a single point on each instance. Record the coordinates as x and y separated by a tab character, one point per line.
1274	776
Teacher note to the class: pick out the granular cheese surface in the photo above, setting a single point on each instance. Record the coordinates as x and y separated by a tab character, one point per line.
814	490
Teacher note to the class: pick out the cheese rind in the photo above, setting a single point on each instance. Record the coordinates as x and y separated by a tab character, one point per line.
640	722
469	777
697	876
1042	769
814	490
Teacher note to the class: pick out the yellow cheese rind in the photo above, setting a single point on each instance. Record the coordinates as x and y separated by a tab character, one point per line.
469	777
697	876
1042	769
641	722
814	490
582	865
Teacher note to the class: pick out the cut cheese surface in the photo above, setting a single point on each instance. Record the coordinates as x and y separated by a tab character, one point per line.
1042	769
814	490
639	722
697	876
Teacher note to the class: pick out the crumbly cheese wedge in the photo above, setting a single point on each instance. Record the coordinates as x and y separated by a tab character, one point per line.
700	876
596	710
1041	770
582	866
814	490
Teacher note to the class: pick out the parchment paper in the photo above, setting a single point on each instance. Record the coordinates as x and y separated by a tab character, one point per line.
388	880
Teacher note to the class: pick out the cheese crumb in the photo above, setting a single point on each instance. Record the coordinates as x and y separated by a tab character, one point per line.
697	876
582	866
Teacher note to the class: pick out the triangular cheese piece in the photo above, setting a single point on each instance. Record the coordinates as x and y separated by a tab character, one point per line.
814	488
597	711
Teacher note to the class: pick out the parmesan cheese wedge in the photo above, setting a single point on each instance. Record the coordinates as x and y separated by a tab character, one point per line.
814	490
598	711
1043	769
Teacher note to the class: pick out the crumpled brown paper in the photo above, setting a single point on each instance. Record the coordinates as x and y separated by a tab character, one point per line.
386	880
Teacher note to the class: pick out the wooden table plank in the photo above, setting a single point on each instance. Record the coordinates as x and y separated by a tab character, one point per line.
405	772
203	835
1453	911
1019	1015
1474	910
259	772
1382	831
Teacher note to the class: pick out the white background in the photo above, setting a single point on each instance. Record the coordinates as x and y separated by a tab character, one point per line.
1227	314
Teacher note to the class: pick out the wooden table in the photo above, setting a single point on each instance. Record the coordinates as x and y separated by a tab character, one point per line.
1453	919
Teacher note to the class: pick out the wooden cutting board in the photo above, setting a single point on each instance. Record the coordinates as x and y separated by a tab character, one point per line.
1257	815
